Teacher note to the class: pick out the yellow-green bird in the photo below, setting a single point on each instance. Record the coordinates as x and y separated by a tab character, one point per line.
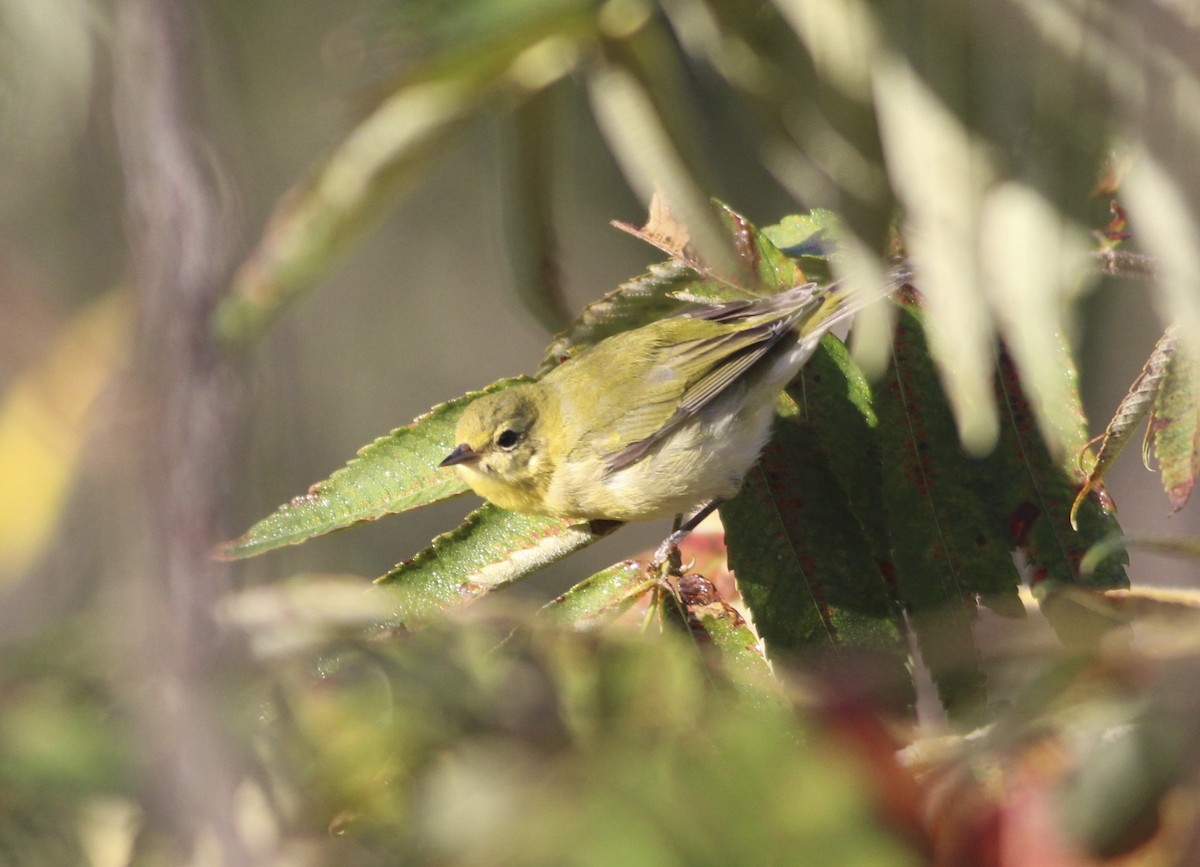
651	422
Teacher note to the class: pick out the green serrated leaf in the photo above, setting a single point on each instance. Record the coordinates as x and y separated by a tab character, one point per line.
393	474
799	554
1036	493
1035	499
1133	408
602	597
1175	423
490	549
946	545
946	542
834	397
814	233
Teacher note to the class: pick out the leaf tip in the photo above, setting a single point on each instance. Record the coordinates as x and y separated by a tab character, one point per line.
228	550
1179	494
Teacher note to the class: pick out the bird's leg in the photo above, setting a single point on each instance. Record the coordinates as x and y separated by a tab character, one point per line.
668	551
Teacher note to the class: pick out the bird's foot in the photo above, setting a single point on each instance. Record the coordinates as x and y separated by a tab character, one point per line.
667	554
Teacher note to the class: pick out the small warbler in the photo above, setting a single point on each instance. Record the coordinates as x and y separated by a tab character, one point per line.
652	422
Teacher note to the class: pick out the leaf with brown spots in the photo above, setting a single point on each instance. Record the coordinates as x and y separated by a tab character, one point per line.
764	269
716	625
946	544
1036	493
1175	427
804	566
1131	411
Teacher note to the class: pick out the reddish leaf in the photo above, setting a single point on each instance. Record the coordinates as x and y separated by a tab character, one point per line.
1175	426
1130	412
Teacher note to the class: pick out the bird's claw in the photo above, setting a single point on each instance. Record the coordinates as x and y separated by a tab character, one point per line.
667	560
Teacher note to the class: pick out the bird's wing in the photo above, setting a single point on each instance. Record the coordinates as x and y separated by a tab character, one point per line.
707	366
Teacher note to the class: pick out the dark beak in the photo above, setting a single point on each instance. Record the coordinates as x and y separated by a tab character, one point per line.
463	454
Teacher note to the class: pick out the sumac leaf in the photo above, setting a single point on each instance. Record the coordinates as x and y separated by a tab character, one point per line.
393	474
490	549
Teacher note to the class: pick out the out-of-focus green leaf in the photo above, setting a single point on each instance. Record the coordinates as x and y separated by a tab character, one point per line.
485	54
946	546
529	212
490	549
602	597
476	38
66	749
1134	407
816	94
56	741
1029	254
1114	801
393	474
640	103
571	749
1186	548
305	612
316	221
940	171
1175	425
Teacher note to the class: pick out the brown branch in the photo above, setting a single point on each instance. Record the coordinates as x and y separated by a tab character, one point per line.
1122	263
179	391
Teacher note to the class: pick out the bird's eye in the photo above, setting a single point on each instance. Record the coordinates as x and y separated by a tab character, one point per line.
508	439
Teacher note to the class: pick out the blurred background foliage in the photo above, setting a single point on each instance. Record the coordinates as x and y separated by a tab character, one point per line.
427	186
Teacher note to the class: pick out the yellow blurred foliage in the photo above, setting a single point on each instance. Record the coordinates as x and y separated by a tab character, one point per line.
44	422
